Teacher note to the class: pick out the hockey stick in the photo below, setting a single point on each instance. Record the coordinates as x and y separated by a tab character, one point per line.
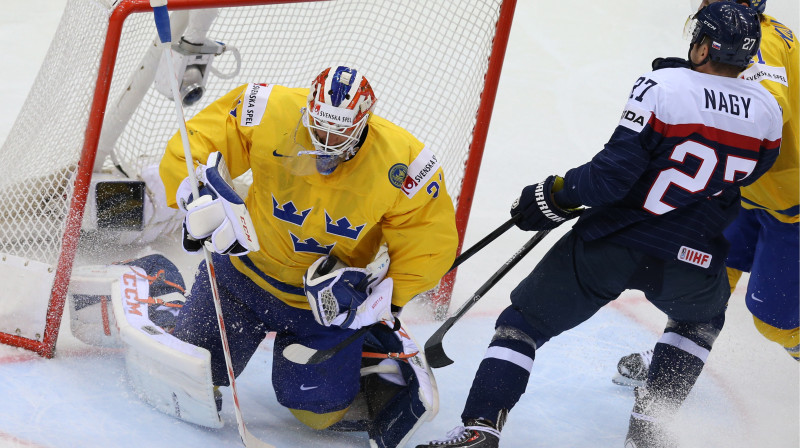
484	241
434	351
161	16
301	354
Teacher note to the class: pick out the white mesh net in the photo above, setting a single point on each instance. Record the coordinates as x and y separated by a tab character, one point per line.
426	61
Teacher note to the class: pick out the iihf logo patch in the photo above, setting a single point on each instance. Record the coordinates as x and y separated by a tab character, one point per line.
397	174
694	256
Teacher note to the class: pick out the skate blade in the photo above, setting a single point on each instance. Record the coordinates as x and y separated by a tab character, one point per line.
621	380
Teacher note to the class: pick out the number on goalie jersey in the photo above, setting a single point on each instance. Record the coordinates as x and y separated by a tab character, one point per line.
329	178
660	194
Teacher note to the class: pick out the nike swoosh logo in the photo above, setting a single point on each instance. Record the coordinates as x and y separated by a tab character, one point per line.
275	153
756	298
303	387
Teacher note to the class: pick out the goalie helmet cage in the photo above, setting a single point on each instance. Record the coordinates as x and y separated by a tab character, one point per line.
94	107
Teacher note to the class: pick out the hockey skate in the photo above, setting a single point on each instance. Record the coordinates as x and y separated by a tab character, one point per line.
478	433
632	369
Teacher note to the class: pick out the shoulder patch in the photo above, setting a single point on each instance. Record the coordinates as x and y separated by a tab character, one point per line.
255	103
419	172
634	118
397	174
762	72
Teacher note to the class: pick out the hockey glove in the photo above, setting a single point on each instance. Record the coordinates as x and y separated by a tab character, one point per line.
670	62
349	297
537	209
218	218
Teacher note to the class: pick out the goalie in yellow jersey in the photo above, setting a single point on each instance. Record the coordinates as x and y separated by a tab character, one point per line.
332	184
765	237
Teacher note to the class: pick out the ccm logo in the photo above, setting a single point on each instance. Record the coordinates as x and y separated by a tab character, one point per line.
245	228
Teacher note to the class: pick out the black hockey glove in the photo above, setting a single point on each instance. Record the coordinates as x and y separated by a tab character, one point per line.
538	210
670	62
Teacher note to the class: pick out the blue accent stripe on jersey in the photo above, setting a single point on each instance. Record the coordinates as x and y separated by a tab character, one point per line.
791	211
279	285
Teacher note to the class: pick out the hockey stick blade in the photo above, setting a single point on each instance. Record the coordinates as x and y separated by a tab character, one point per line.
301	354
434	350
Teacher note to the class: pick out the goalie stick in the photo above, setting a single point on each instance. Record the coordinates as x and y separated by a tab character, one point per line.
161	16
434	351
301	354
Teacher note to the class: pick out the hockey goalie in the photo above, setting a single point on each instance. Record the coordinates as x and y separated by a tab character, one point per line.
135	305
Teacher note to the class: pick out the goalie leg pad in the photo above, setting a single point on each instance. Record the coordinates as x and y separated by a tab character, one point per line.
169	374
91	318
416	399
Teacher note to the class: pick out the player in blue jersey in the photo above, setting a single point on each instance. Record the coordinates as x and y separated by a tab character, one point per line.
765	240
658	197
332	182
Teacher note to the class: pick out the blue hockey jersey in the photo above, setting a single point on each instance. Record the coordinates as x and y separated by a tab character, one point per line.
667	182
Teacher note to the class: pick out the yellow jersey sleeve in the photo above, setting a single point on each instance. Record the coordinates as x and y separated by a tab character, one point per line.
215	128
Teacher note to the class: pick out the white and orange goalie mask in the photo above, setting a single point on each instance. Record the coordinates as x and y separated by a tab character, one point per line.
339	105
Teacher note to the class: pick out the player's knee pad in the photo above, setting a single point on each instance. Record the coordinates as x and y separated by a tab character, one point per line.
318	421
513	332
696	338
788	339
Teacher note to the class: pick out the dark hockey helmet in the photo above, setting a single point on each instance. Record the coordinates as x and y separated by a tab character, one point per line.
733	29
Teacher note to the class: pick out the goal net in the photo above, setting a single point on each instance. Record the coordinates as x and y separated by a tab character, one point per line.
82	156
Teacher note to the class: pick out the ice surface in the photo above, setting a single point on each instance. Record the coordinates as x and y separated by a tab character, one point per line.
567	72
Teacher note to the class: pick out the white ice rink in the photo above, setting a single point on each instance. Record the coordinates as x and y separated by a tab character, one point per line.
567	73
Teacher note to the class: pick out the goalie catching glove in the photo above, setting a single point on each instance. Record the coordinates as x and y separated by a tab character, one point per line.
218	218
349	297
538	210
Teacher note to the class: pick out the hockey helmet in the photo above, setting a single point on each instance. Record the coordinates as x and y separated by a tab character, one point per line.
733	29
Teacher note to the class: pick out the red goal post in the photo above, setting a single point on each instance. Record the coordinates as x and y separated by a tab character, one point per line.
95	112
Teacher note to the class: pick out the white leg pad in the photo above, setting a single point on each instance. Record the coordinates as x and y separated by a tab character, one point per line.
171	375
92	320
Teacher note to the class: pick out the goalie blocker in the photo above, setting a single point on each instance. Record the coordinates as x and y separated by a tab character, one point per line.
127	305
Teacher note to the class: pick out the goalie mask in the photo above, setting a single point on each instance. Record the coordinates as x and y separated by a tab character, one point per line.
339	105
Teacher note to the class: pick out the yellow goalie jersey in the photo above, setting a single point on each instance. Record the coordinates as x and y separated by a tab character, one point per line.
391	191
776	68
